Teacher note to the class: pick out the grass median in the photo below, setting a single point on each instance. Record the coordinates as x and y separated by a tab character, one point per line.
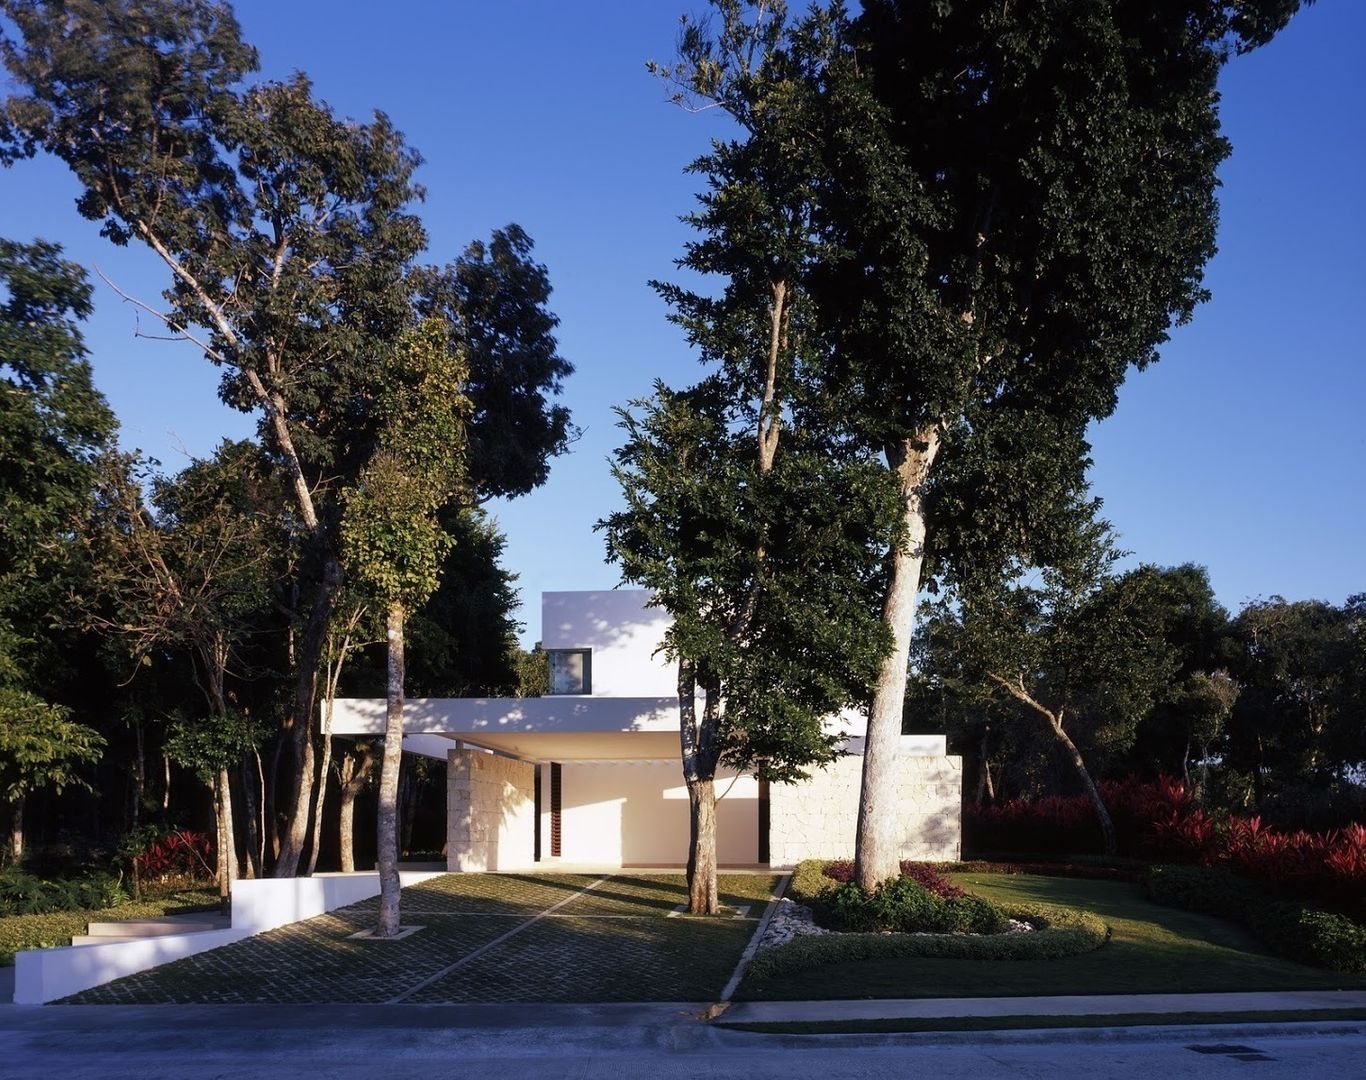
1152	949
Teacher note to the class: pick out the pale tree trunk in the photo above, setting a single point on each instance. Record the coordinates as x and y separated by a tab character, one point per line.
355	770
227	839
332	674
985	789
295	835
16	828
387	840
1016	688
877	856
1107	825
322	790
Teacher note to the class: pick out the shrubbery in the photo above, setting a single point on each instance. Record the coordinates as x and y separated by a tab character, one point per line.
23	894
904	905
1058	932
842	870
921	900
1296	930
1160	820
58	927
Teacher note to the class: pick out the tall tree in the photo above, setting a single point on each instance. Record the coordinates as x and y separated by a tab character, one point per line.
1296	727
53	425
747	515
392	533
192	572
290	241
1023	196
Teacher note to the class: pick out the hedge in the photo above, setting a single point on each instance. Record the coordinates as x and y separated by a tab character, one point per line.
1058	932
1293	929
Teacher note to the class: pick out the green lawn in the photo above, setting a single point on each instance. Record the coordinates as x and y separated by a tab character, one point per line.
1154	949
57	928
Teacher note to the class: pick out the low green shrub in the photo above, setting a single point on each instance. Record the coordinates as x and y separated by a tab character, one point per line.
1209	889
1293	929
1305	933
58	927
905	906
1058	932
809	881
22	893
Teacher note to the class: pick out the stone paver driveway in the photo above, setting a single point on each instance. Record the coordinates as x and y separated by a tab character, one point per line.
484	938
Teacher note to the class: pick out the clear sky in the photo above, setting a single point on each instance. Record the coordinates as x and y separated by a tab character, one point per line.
1243	449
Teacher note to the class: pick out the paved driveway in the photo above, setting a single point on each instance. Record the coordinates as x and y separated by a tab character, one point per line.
484	938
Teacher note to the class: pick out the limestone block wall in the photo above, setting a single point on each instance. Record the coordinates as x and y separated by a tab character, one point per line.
817	818
490	812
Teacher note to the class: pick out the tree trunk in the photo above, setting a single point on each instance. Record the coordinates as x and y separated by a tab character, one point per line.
227	839
1107	825
16	828
253	867
698	741
702	889
355	769
877	856
387	839
985	791
295	837
322	788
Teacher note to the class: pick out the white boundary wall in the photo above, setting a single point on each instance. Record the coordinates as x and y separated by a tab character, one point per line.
43	975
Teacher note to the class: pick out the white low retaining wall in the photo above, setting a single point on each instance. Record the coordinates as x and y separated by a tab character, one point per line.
43	975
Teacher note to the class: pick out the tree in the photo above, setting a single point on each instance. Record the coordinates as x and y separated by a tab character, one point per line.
40	746
1296	726
745	516
1017	203
192	573
290	240
1084	651
53	424
392	533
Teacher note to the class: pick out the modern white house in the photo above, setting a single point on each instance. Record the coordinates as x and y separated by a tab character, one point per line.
590	775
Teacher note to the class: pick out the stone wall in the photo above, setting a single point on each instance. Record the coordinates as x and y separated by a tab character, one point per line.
490	812
817	818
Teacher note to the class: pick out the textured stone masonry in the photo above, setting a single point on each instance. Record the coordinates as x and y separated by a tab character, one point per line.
817	819
490	804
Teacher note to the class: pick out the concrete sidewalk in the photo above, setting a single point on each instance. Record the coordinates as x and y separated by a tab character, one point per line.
776	1012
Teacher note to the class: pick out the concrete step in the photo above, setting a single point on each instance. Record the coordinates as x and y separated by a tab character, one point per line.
140	928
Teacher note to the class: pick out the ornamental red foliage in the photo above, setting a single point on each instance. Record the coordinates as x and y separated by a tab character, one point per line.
1159	820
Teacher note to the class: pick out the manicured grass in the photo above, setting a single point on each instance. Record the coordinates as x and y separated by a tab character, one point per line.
56	928
1025	1023
1153	949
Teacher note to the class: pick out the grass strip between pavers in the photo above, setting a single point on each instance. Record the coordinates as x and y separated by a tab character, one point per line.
1025	1023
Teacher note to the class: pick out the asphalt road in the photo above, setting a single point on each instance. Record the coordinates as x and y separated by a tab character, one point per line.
620	1042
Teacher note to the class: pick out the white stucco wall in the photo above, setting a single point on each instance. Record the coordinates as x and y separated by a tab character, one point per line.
623	634
636	813
817	819
490	812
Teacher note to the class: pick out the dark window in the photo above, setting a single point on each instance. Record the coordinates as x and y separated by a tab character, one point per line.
571	671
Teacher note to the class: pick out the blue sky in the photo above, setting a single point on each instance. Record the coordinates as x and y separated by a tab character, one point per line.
1243	449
